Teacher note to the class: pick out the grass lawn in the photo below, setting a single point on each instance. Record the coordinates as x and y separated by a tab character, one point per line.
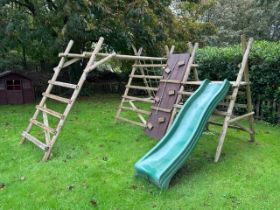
93	166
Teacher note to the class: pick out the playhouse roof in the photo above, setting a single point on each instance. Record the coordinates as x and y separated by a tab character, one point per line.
5	73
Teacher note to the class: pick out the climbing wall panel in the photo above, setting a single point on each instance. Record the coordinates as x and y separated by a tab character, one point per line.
166	95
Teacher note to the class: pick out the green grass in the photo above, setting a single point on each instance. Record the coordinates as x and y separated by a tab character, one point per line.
93	166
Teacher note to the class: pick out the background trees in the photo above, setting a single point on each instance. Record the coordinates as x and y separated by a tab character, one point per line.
257	18
32	32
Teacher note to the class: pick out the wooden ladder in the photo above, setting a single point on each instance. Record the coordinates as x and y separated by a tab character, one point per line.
51	134
139	66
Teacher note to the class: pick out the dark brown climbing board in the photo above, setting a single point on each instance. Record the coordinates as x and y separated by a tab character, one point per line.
166	95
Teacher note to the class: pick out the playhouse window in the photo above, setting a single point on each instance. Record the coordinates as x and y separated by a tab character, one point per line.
13	85
2	85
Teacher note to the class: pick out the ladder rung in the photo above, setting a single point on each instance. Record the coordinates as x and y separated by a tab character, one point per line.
35	141
171	81
141	87
63	84
131	121
139	99
236	105
149	65
161	109
58	98
185	93
233	83
145	76
179	106
51	112
194	65
220	113
136	110
41	125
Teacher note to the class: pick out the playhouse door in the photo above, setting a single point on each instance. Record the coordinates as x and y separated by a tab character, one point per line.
14	92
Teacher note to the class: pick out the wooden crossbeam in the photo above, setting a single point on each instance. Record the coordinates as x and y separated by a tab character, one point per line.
118	56
241	117
70	62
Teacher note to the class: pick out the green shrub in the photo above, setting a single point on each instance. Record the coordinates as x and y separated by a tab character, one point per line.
264	63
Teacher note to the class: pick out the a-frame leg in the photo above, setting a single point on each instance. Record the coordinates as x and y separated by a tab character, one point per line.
233	99
224	132
248	93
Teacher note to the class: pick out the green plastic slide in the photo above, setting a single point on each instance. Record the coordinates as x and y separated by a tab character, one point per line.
169	154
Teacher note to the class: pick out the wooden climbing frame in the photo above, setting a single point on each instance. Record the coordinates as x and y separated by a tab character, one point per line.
188	85
146	76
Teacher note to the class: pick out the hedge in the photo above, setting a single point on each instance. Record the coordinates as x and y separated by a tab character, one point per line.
264	62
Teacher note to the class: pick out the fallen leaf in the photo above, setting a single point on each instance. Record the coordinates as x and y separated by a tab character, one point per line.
2	185
93	202
70	187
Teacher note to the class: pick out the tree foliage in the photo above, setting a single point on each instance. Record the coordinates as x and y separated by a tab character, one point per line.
39	29
259	19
